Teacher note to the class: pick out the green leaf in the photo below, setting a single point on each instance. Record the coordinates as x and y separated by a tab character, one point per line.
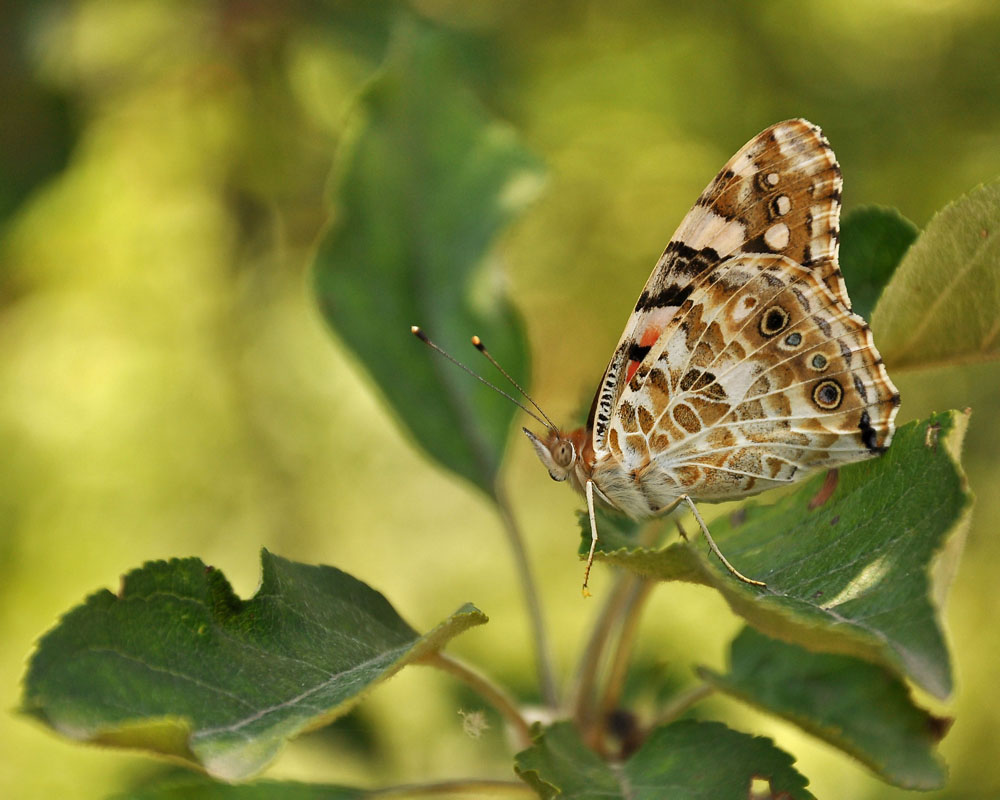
851	575
854	705
176	663
943	305
686	760
873	240
424	186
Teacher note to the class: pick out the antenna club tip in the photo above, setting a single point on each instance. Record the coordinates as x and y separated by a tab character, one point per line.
478	343
417	331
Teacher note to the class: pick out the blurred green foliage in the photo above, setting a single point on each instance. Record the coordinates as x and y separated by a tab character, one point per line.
167	387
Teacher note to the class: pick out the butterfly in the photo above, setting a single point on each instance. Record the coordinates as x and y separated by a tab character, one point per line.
742	366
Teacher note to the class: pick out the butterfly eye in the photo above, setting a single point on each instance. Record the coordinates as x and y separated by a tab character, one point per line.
564	454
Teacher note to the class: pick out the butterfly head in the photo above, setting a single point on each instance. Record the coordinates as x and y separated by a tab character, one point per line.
558	451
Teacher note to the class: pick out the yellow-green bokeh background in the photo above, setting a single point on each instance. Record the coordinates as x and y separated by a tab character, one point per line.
167	387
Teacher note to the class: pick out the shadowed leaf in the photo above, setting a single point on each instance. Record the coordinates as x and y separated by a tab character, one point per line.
686	760
852	704
178	664
873	240
424	185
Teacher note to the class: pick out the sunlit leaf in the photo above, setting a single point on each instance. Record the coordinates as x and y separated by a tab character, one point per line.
856	706
873	240
943	304
424	185
686	760
852	574
176	663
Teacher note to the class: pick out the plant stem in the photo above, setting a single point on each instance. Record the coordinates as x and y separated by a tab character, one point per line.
490	692
582	695
681	703
543	652
480	786
631	615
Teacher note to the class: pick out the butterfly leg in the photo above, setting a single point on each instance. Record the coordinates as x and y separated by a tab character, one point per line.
593	536
715	549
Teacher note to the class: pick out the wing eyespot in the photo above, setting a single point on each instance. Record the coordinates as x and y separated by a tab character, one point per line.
828	394
792	341
773	321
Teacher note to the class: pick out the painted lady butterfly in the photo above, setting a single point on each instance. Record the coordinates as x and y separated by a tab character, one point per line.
742	366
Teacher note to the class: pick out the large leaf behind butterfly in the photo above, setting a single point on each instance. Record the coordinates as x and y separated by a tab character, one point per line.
423	187
873	240
942	307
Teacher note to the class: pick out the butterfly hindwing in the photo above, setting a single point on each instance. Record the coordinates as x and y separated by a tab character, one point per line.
762	374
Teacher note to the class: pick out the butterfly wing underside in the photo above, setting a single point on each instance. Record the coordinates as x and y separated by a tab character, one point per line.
780	194
762	375
742	364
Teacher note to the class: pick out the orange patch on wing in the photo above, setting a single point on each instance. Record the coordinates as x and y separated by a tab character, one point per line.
648	339
649	336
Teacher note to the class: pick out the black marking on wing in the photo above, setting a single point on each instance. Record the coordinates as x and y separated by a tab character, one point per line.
637	352
868	435
859	387
685	260
757	245
672	295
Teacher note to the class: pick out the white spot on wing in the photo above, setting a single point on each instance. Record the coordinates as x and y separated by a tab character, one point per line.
743	309
776	237
704	228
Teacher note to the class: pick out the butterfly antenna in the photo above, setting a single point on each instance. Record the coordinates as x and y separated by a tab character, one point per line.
543	420
478	344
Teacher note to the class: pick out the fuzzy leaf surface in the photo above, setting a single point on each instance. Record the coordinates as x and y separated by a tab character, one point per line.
942	306
423	187
853	574
177	664
857	706
686	760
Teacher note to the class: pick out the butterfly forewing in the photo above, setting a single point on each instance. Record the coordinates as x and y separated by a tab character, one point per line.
780	194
